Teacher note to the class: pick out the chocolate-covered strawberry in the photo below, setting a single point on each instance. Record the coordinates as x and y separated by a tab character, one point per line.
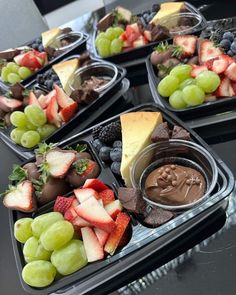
32	171
81	170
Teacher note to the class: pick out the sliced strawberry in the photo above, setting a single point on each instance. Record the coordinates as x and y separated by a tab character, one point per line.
44	100
209	63
141	41
219	65
59	162
52	113
75	202
94	213
33	99
100	202
62	204
63	99
96	184
122	221
196	70
114	208
229	59
148	35
123	36
127	44
188	43
68	112
225	89
207	50
135	27
9	104
107	196
101	235
93	249
79	222
30	60
231	72
84	194
21	197
70	214
132	34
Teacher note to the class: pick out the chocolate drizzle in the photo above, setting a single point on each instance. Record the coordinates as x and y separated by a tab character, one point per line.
175	185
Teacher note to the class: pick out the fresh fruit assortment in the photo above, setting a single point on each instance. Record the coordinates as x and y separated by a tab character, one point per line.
55	172
22	64
40	117
93	226
120	31
193	71
107	142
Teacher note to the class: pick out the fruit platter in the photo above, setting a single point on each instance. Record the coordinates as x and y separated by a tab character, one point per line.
120	34
23	63
30	116
82	209
193	73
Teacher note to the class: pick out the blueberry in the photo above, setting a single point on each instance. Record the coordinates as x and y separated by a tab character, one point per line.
225	43
233	47
34	46
229	36
38	40
97	144
230	53
117	144
116	154
104	153
40	48
115	168
145	16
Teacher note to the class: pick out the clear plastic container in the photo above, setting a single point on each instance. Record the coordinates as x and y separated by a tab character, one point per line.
74	37
185	153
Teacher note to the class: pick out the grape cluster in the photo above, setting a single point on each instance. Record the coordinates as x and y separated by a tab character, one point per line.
13	73
31	126
48	79
109	151
37	44
184	91
46	251
108	43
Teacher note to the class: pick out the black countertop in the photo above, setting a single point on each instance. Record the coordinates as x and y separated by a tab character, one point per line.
206	264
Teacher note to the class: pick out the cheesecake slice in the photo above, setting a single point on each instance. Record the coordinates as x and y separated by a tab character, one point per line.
49	36
166	9
65	72
136	131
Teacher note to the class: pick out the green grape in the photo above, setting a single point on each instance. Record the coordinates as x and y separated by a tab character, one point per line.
182	72
104	47
24	72
70	258
208	81
16	134
33	250
99	36
44	221
22	229
13	78
18	119
187	82
4	74
57	235
31	126
110	34
30	139
176	100
168	85
35	115
118	31
116	46
39	273
46	130
193	95
13	67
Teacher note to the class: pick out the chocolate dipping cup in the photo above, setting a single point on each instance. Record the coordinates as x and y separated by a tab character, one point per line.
77	36
193	20
182	152
102	70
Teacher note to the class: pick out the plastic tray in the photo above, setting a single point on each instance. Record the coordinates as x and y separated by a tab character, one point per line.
144	241
143	51
83	113
206	109
76	49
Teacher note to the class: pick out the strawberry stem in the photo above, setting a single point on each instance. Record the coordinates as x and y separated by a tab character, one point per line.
43	148
81	166
18	174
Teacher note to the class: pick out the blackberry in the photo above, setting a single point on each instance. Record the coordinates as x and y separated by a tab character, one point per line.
110	133
96	131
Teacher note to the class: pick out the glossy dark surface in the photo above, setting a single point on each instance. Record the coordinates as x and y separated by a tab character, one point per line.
207	269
